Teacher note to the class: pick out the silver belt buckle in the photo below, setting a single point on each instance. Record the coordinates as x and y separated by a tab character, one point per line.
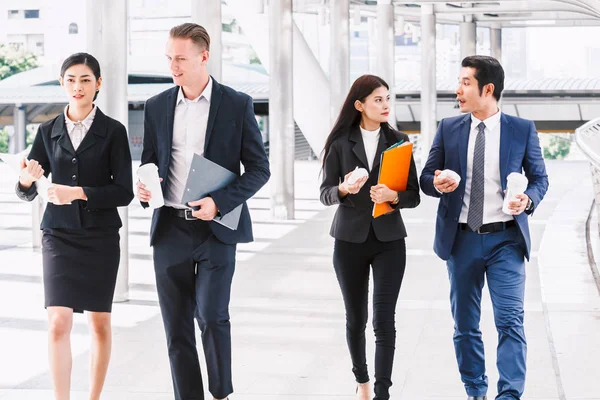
481	233
188	215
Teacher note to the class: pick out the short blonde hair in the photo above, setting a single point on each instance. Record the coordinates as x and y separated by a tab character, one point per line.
192	31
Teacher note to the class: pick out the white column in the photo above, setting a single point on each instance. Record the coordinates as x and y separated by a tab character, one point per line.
108	43
16	141
339	59
385	51
208	14
496	42
281	118
468	39
428	80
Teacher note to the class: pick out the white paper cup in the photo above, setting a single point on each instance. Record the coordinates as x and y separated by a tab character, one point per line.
450	174
516	183
148	175
357	174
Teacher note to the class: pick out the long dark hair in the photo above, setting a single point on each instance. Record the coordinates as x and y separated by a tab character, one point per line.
85	59
350	117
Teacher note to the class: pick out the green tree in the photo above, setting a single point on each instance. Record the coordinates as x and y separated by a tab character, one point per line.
558	148
3	140
14	61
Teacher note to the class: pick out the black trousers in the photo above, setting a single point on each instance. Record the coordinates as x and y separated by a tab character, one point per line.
194	271
352	263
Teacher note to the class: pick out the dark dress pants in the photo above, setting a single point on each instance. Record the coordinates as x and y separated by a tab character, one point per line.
499	257
194	271
352	263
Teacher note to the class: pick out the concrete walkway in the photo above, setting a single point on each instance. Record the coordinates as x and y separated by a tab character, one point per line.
287	311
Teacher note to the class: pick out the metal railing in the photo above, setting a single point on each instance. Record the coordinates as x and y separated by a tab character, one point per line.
588	139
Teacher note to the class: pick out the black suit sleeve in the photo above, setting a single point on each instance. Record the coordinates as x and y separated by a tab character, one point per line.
255	162
120	192
38	153
332	177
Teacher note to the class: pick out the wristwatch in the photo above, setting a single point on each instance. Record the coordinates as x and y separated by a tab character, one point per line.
396	200
529	206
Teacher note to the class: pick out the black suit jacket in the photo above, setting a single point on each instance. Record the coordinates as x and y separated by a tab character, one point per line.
101	165
353	217
232	136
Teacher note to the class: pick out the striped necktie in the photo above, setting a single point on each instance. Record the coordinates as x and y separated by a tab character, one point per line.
475	215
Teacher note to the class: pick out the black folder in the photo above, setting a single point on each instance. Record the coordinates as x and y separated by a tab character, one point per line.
205	177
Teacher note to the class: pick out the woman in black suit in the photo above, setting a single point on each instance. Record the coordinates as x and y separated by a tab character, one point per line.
362	242
88	155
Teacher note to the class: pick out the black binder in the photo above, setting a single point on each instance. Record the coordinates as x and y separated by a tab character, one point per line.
205	177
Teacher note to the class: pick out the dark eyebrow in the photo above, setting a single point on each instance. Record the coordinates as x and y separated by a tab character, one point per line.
82	76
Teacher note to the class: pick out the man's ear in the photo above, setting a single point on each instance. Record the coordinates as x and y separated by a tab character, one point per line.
489	89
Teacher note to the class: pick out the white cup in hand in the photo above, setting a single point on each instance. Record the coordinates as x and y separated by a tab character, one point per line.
148	175
356	175
448	173
516	183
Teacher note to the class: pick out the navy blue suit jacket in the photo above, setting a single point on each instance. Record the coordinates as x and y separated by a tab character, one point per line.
519	151
232	136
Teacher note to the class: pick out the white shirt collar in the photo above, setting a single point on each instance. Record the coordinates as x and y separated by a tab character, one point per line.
206	93
491	123
87	121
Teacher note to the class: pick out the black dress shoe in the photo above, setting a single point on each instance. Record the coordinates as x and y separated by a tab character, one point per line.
477	398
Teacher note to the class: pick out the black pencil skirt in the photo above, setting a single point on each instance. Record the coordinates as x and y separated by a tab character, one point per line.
80	268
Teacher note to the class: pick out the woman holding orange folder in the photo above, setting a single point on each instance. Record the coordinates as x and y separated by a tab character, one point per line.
359	136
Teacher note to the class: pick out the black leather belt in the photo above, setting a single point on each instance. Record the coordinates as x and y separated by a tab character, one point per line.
181	213
489	228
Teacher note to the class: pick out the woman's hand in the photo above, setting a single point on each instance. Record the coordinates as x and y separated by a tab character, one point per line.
31	171
382	194
346	188
63	194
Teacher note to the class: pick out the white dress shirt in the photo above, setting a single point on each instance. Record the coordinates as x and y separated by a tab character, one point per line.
77	130
189	133
493	196
370	140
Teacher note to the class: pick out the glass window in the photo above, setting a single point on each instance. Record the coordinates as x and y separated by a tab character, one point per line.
30	14
39	48
13	14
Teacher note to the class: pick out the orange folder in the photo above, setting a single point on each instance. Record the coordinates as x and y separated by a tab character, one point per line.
393	172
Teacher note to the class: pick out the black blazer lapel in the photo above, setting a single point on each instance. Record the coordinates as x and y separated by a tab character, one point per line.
359	147
98	128
59	130
215	101
381	146
171	104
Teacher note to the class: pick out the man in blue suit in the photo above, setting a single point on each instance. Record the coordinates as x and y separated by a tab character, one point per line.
475	237
194	257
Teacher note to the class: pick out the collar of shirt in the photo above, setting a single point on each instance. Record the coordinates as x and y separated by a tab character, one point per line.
87	122
206	93
491	123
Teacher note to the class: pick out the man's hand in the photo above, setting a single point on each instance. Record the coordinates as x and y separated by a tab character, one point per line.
518	203
143	195
346	188
31	171
62	194
444	185
208	209
382	194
